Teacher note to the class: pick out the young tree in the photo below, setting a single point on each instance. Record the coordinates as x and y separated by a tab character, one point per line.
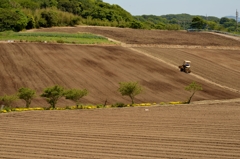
27	95
7	100
130	89
75	95
52	94
193	87
136	25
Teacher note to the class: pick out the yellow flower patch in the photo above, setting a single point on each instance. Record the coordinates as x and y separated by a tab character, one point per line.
174	103
3	111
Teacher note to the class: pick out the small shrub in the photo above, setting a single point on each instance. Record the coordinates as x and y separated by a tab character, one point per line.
119	105
162	103
67	107
100	106
7	109
60	41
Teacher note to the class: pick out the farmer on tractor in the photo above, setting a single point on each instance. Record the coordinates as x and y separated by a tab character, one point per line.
185	67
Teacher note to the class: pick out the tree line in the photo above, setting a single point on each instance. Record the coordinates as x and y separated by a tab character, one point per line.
187	21
18	15
27	14
54	93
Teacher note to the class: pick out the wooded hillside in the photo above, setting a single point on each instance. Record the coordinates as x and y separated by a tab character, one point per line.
18	15
26	14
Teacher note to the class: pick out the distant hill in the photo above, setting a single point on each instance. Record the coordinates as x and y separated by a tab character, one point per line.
183	20
233	17
18	15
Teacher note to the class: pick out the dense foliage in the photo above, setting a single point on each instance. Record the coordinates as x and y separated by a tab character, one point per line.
18	15
186	21
27	14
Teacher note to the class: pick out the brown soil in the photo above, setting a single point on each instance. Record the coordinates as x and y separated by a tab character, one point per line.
218	66
184	131
99	69
158	37
206	129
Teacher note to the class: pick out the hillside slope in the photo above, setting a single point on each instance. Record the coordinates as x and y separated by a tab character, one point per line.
98	69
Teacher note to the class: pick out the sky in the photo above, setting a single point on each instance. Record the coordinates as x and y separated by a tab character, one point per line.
217	8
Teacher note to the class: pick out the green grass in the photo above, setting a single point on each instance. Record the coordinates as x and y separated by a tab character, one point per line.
50	37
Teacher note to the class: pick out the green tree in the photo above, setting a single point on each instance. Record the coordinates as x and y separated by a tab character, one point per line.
136	25
75	95
53	94
5	4
212	25
198	23
31	22
30	4
51	18
7	100
21	22
27	95
130	89
193	88
11	19
224	20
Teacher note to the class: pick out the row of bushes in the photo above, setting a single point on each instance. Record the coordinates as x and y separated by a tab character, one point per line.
53	94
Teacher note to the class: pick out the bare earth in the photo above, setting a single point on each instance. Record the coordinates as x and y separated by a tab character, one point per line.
172	132
207	129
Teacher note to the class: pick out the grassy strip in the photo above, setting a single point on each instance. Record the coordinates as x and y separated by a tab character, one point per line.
50	37
117	105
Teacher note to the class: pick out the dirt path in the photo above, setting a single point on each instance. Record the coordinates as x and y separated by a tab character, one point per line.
228	36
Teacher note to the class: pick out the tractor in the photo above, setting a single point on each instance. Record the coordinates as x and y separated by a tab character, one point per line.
185	67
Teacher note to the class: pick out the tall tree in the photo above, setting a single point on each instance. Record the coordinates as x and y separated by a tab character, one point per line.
198	23
193	88
130	89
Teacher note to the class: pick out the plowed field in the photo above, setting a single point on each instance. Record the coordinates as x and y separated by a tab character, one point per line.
207	129
149	37
186	132
220	66
99	69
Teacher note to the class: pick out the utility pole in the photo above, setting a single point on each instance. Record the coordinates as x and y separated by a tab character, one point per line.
207	22
237	20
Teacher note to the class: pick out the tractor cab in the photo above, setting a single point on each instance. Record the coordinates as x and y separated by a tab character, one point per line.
185	67
186	63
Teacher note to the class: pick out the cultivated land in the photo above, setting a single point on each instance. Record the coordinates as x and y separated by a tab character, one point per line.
208	128
189	132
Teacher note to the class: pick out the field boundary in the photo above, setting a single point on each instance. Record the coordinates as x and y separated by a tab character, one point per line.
174	46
